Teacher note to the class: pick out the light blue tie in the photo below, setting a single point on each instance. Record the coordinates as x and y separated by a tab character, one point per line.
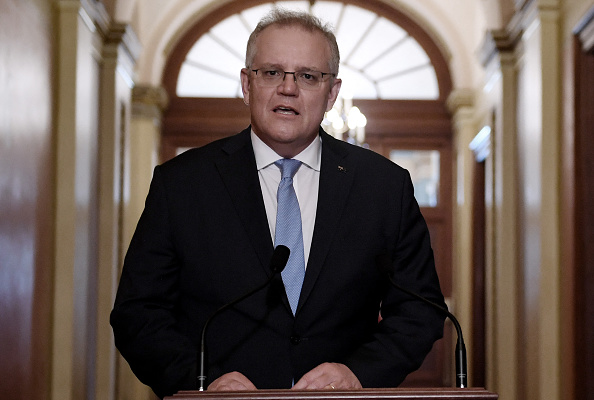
288	230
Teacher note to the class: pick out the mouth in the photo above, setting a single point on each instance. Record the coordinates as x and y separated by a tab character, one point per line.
285	110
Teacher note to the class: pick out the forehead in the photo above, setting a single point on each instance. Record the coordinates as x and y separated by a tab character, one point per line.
292	46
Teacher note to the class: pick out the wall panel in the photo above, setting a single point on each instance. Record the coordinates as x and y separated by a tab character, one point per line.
25	197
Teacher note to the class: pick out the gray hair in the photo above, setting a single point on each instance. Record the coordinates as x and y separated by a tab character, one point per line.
281	17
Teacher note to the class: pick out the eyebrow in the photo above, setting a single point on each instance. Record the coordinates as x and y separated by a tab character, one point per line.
281	68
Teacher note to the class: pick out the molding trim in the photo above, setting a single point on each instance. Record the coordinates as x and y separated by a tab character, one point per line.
585	31
500	41
96	11
506	40
121	50
123	34
481	144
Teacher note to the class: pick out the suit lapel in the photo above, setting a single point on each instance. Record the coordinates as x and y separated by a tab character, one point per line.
240	176
336	178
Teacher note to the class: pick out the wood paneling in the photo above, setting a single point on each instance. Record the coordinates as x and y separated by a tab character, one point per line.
26	198
583	207
478	333
320	394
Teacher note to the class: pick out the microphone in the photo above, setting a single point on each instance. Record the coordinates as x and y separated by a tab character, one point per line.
279	259
384	265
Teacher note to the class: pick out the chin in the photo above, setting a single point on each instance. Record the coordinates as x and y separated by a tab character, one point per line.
286	135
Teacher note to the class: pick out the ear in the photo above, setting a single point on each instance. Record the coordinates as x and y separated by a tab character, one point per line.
245	85
333	93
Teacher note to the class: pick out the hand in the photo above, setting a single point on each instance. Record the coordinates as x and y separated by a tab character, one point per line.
231	381
329	376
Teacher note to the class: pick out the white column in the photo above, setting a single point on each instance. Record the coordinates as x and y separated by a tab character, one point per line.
503	306
461	105
120	51
549	340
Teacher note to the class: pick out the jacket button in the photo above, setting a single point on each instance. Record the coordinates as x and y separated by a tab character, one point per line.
295	339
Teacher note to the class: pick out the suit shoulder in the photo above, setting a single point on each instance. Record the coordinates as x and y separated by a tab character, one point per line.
370	158
200	157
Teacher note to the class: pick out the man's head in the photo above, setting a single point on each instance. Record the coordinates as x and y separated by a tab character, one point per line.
284	18
286	109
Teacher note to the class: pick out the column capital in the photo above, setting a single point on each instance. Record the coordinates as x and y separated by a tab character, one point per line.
497	42
149	101
459	99
121	35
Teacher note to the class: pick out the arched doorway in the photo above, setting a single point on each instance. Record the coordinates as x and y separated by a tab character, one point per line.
414	132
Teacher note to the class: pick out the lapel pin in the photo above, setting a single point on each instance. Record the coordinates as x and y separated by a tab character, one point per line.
341	168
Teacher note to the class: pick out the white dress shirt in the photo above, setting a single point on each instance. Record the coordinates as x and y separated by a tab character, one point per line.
306	183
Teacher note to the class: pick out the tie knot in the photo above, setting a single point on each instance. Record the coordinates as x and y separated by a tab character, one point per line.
288	167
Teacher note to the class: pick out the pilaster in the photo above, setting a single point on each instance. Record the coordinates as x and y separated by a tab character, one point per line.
120	51
461	105
148	104
502	270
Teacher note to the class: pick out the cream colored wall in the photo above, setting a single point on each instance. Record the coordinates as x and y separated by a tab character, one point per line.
94	78
550	374
524	303
76	211
461	105
572	12
458	42
118	55
538	172
145	133
501	214
141	156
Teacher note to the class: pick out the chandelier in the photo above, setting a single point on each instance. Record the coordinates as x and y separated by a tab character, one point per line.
346	122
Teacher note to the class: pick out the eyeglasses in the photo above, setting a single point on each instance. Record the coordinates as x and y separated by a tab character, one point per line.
309	80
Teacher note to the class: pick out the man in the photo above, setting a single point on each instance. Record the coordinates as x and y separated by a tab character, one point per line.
209	228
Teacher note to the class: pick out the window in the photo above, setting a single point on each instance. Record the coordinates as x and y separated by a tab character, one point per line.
379	60
423	166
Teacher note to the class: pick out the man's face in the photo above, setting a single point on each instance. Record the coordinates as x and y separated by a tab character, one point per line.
286	117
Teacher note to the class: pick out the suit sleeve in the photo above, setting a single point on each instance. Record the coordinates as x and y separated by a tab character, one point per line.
409	327
143	319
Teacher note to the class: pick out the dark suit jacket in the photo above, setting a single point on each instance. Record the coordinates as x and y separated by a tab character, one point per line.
203	239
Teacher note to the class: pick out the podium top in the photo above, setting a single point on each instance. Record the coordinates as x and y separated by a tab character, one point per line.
358	394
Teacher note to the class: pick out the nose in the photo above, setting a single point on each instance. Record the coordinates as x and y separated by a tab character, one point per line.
289	84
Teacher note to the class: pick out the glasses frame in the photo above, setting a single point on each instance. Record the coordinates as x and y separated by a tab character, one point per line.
301	86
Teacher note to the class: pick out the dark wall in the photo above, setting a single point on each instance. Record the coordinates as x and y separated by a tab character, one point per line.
26	197
583	251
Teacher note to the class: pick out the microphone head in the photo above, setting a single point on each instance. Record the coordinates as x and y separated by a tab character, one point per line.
279	258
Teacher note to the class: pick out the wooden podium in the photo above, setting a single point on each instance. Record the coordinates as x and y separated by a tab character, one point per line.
360	394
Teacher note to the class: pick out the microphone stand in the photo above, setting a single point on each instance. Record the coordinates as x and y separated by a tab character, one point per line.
461	374
277	264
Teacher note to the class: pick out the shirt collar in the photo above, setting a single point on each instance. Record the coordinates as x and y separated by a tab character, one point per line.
310	156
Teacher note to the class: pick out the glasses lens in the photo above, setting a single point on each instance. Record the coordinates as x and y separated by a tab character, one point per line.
308	79
270	77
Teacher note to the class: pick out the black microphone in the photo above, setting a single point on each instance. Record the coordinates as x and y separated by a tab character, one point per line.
384	264
279	259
